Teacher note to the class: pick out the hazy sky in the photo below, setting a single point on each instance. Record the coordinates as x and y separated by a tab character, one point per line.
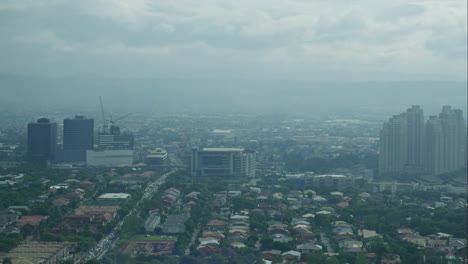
288	39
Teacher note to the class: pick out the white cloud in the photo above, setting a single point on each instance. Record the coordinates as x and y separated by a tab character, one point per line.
419	38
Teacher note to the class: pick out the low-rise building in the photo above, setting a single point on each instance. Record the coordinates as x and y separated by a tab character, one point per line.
109	157
335	182
157	157
113	198
222	162
41	252
216	225
291	255
92	216
175	224
351	245
392	259
148	247
152	222
308	247
33	220
170	196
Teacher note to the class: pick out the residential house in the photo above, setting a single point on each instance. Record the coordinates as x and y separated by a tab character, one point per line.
216	225
436	243
351	245
392	259
271	254
291	255
33	220
308	247
457	243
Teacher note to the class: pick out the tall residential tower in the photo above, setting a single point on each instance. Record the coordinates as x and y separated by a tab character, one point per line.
408	146
445	144
401	143
393	141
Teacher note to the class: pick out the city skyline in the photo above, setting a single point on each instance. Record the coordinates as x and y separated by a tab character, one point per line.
246	132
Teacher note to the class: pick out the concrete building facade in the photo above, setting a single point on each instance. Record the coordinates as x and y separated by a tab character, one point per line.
109	158
409	146
446	141
222	162
393	141
337	182
402	143
41	252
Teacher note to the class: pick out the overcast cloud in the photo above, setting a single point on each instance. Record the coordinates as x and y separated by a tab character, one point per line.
295	39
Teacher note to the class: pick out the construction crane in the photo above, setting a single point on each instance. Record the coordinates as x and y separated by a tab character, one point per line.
119	118
105	126
115	129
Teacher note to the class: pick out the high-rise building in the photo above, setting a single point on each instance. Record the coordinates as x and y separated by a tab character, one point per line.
393	140
222	162
401	143
445	143
42	141
415	138
432	144
78	133
78	136
407	146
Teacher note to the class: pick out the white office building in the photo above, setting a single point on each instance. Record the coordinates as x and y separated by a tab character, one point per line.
109	158
222	162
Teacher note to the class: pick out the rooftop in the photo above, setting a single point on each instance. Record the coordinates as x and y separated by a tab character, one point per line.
330	175
223	149
37	252
114	196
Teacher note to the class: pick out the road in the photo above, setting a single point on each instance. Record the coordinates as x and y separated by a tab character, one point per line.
106	243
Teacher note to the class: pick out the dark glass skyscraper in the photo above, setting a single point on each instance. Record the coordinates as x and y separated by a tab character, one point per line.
78	133
42	141
78	136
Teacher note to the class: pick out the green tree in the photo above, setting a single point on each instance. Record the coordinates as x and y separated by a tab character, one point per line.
361	259
189	260
332	260
315	257
266	243
27	230
93	261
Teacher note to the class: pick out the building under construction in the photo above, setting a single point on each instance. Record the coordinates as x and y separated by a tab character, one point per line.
114	148
110	137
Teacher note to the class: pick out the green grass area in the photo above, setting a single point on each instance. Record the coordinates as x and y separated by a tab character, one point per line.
153	238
